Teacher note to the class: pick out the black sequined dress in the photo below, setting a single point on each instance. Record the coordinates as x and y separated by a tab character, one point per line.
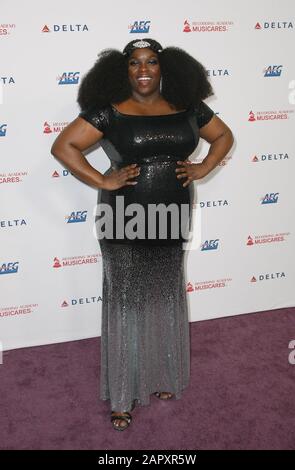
145	329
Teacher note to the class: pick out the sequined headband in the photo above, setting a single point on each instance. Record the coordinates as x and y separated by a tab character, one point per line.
141	44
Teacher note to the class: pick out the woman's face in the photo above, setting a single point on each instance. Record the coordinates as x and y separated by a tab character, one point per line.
144	71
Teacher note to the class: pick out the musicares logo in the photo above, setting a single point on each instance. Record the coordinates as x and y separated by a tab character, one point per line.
269	115
205	285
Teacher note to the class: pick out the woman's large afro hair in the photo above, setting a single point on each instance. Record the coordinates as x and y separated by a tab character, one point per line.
184	79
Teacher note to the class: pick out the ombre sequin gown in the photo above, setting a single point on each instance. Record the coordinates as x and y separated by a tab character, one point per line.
145	344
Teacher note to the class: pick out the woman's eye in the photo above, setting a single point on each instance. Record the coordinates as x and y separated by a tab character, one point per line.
135	62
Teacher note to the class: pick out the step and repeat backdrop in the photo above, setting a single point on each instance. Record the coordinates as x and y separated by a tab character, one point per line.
241	258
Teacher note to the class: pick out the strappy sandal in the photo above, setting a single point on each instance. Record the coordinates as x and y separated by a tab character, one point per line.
160	395
126	417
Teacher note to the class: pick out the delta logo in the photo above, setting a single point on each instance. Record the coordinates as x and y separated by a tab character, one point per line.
209	245
6	29
54	128
57	174
205	285
75	260
270	198
217	73
3	129
263	25
76	216
206	26
9	268
81	301
268	238
269	115
7	80
213	203
273	71
267	157
68	78
7	223
65	28
268	277
142	26
13	177
16	310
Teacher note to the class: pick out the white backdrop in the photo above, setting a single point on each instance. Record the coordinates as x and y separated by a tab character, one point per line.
50	269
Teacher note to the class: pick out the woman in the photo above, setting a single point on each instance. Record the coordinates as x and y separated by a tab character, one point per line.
145	107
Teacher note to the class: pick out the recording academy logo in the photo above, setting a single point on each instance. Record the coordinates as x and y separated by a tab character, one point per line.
12	177
6	29
206	26
217	72
271	25
268	277
270	115
7	80
3	129
8	223
81	301
206	285
75	260
16	310
54	128
273	71
142	26
257	240
65	28
209	245
270	198
76	216
69	78
274	157
9	268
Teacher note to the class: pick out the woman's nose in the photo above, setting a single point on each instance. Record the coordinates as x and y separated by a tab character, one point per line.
142	67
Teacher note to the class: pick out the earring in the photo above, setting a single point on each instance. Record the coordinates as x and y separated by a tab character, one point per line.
160	84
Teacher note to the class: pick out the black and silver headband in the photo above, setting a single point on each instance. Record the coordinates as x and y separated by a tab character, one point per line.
140	44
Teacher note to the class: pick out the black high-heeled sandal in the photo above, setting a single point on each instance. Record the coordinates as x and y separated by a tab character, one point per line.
126	417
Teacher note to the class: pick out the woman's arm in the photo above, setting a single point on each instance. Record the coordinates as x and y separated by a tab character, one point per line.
220	138
68	147
78	136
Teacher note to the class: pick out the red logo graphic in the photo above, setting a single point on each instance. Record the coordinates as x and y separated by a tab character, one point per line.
55	174
257	26
250	241
47	129
255	159
45	29
186	28
56	263
253	279
251	116
189	287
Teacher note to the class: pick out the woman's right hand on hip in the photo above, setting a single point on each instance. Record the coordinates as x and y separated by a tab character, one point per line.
121	177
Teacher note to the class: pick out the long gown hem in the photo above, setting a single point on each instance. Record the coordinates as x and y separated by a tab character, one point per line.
147	400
